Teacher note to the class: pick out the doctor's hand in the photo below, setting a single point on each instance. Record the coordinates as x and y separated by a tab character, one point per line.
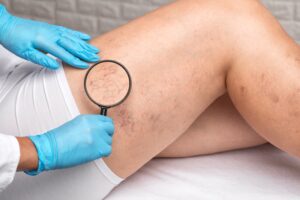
30	40
84	139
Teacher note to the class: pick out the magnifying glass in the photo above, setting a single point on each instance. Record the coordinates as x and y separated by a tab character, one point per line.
107	84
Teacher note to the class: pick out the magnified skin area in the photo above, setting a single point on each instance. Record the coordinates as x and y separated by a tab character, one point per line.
107	83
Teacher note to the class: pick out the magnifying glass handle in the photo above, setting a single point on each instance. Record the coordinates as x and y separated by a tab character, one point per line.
103	111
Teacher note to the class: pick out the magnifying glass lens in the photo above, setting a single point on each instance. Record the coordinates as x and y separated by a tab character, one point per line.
107	84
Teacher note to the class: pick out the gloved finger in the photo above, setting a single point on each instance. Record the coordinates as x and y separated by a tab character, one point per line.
40	58
75	33
108	127
73	46
106	150
107	139
62	54
85	45
89	47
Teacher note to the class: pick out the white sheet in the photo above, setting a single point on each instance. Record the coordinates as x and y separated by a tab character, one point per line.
262	173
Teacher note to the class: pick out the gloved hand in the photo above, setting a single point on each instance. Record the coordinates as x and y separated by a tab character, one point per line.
30	40
84	139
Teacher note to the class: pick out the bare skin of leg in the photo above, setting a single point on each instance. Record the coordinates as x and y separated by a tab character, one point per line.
219	128
185	56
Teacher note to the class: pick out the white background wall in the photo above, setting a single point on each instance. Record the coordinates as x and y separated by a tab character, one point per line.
98	16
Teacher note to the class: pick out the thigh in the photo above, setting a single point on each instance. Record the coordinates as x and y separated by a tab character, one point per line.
220	128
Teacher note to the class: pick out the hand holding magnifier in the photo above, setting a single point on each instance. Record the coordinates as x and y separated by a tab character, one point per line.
107	84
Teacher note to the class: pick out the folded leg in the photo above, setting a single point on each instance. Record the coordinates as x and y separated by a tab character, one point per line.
219	128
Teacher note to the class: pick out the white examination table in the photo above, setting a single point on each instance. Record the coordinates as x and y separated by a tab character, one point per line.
262	173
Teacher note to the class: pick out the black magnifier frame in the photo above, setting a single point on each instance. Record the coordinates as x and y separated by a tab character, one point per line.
104	108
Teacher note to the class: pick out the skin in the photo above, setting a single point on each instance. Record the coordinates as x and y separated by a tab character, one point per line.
219	128
224	47
109	89
28	155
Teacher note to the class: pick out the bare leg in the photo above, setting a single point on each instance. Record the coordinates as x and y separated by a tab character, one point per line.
171	85
220	128
181	58
267	90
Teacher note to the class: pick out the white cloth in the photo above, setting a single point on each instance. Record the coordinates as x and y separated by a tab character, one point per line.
262	173
9	159
34	100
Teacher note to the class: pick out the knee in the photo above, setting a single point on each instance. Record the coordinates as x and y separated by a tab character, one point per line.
232	26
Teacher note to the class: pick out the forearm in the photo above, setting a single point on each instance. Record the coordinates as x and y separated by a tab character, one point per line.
28	155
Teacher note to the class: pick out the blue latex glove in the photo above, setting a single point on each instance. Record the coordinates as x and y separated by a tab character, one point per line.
30	40
84	139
